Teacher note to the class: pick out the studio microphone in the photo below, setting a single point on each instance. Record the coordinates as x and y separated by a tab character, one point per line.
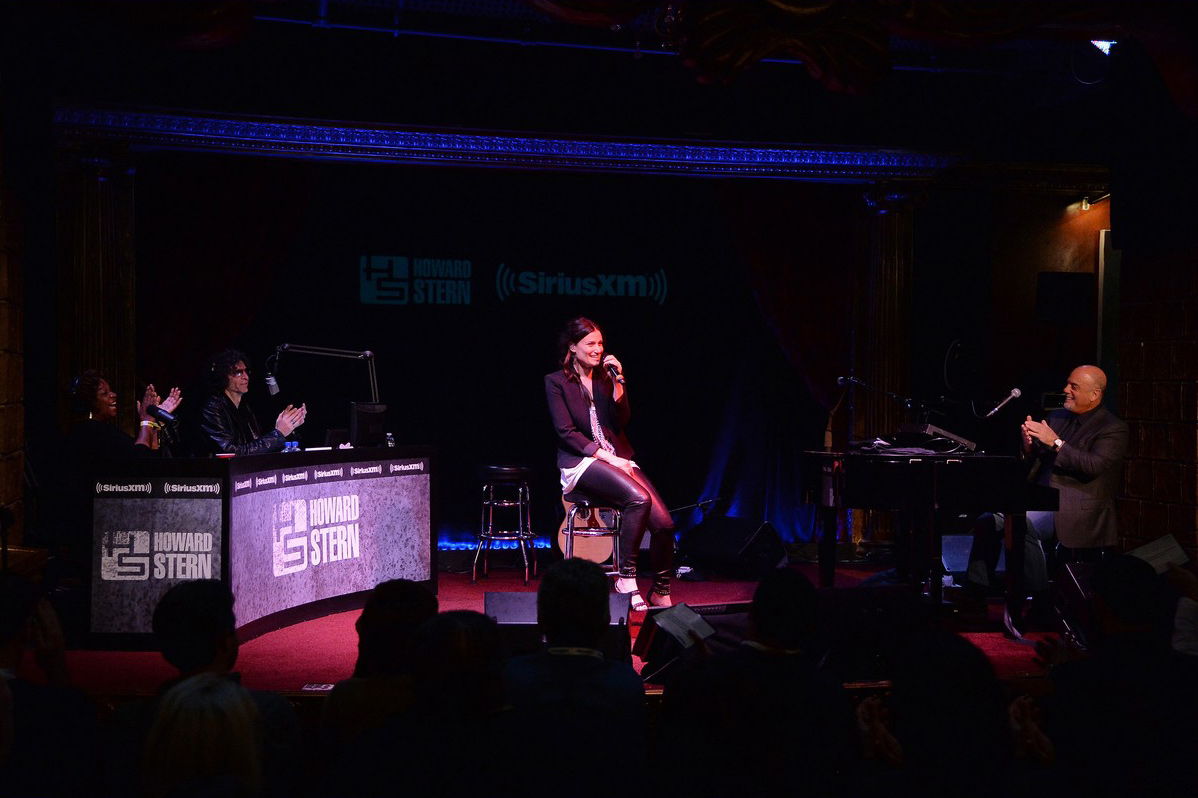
157	413
1014	394
615	374
272	384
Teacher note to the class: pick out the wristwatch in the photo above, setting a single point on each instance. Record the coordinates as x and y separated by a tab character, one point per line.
1057	444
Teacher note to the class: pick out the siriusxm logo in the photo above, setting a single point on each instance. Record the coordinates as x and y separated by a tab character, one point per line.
530	283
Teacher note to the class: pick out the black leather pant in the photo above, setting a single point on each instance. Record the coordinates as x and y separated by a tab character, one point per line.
641	509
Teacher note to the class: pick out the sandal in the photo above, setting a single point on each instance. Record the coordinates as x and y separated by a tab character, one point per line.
660	600
635	602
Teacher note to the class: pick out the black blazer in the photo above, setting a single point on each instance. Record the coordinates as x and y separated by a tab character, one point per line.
1086	474
568	409
227	428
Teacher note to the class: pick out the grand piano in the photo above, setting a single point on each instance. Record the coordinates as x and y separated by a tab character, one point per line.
926	489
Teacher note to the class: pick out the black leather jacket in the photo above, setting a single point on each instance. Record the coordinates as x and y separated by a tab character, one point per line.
228	429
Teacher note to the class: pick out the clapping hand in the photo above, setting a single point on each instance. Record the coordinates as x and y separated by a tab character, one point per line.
173	400
1039	431
150	398
291	418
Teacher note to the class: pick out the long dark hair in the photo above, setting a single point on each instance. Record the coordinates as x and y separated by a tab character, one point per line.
574	331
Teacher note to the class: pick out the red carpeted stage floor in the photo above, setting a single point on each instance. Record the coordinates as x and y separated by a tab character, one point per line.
300	658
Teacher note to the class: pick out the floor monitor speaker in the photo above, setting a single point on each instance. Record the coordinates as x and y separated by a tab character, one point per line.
516	614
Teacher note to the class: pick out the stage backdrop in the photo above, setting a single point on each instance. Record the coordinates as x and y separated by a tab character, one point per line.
459	281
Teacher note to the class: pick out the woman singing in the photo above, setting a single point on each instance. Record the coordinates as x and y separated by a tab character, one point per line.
589	410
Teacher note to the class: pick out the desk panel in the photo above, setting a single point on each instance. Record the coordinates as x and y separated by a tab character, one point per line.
283	530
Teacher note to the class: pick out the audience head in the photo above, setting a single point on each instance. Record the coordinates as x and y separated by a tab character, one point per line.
572	603
1127	595
18	598
387	626
459	662
782	613
221	367
948	713
195	628
206	741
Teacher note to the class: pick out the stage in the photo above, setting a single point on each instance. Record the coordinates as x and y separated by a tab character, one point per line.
302	661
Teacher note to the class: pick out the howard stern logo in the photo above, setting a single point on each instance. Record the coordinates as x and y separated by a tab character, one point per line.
398	280
315	532
529	283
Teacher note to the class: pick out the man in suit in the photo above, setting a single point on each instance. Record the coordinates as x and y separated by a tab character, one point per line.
1079	451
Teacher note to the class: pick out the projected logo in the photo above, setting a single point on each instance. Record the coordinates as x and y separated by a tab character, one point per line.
383	279
125	556
509	283
397	280
290	552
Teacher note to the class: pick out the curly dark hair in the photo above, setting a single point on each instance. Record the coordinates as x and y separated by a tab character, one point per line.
219	367
574	331
82	391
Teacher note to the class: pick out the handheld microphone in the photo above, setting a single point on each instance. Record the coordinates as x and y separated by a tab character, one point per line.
1014	394
157	413
615	374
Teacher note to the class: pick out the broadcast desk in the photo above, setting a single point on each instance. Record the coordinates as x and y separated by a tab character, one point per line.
294	535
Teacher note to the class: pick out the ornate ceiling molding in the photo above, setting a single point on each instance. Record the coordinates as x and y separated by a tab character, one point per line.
329	140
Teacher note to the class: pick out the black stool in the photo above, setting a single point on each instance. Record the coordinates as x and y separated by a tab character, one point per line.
504	487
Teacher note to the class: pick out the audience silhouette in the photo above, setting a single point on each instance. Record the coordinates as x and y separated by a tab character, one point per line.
1120	719
206	741
383	683
942	728
436	707
580	707
50	729
195	629
754	720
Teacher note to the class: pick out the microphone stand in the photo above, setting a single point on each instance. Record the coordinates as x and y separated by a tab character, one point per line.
844	391
350	354
912	404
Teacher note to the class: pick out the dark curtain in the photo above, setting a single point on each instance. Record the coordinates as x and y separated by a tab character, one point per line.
222	268
800	246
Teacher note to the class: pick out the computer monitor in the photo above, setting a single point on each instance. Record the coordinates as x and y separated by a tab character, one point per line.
367	424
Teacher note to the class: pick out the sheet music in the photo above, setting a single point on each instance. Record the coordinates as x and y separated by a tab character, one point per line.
680	620
1161	552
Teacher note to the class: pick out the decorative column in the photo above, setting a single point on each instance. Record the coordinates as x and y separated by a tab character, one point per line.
881	353
12	362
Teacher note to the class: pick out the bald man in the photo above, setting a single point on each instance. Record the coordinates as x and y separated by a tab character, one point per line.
1079	451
